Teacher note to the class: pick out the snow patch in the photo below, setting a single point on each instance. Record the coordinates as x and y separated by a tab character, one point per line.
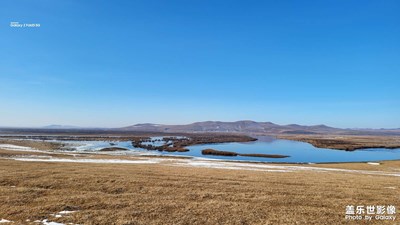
62	213
5	221
66	212
373	163
45	222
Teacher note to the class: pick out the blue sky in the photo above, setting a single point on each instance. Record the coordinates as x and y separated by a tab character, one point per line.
117	63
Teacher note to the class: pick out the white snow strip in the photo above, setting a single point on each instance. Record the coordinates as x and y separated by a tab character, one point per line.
62	213
45	222
278	168
5	221
214	164
373	163
233	167
18	148
390	188
66	212
120	161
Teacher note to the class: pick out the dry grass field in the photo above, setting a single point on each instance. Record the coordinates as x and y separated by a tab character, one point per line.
164	194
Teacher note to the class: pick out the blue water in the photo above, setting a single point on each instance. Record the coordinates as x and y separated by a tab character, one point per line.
299	152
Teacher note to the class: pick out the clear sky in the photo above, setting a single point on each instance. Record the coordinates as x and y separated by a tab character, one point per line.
117	63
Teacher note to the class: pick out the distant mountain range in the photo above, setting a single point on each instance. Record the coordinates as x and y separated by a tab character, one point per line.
248	126
243	127
56	126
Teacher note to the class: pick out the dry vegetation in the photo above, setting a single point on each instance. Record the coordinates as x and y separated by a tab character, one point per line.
112	149
209	151
347	142
163	194
227	153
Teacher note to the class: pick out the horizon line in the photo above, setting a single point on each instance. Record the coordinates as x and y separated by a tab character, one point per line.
67	126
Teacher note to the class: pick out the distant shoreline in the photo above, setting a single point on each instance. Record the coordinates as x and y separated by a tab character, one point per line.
346	142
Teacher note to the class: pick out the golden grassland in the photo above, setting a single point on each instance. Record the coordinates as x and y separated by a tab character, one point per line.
164	193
